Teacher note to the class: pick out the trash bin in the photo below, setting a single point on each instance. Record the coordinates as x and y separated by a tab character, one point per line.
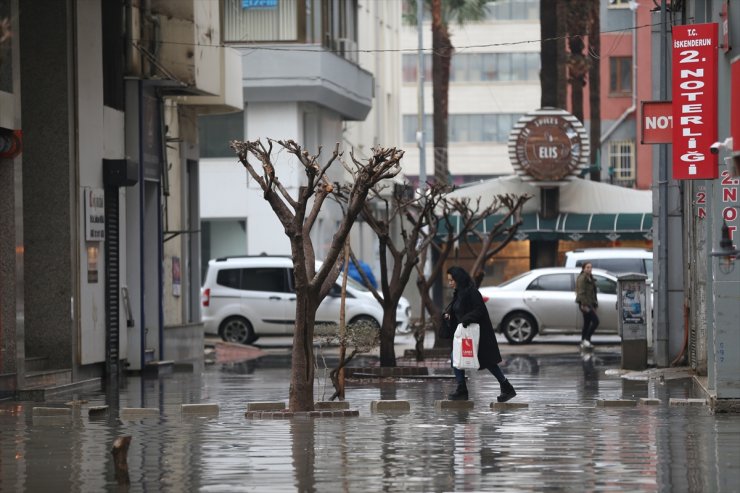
632	311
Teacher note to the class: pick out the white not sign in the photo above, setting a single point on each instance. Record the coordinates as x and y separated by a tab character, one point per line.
94	214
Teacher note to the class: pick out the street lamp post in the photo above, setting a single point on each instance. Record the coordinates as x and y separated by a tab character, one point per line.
420	81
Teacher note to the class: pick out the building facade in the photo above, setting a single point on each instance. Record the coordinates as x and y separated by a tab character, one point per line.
494	80
99	253
316	72
710	270
626	75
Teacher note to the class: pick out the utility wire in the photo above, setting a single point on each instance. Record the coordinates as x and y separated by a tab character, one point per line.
257	47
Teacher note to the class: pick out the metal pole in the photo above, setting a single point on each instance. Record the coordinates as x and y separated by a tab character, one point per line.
420	141
661	333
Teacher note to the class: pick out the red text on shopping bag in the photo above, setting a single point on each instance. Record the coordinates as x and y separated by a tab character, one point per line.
467	347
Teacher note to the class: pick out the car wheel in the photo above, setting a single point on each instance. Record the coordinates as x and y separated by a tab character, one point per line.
519	328
237	329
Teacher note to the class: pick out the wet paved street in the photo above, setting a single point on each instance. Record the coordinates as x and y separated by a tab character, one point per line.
562	442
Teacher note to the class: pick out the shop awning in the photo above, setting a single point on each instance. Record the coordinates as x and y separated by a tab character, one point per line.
588	210
575	227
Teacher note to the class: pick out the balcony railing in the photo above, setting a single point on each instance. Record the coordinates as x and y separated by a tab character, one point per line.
329	23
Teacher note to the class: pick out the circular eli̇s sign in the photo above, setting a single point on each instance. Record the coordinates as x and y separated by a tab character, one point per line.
549	145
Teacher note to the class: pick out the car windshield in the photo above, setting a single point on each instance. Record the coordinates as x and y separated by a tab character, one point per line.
352	283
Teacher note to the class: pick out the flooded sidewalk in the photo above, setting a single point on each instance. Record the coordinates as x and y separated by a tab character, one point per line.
561	442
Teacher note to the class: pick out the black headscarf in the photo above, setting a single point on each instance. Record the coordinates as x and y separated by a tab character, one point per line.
462	279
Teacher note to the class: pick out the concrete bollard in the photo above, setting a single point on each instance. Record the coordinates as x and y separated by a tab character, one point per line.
199	409
97	411
446	405
509	405
392	406
615	403
266	406
52	411
331	405
687	402
139	412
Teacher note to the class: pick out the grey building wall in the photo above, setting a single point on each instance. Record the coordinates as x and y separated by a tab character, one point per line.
713	289
47	99
7	266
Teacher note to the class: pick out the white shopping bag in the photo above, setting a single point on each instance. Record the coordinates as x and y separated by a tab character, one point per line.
465	347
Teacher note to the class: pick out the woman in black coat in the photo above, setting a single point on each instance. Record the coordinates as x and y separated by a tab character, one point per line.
467	307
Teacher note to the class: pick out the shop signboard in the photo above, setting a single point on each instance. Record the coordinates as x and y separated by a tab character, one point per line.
695	54
657	122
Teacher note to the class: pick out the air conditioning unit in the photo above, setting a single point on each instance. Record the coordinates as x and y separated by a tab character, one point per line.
347	48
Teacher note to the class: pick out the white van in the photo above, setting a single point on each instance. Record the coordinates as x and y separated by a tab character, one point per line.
244	298
615	260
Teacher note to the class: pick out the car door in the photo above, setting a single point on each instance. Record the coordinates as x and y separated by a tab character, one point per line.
551	297
328	310
268	299
606	294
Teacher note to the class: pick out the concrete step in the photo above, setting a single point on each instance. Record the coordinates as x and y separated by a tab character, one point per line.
47	378
148	356
36	363
41	394
157	367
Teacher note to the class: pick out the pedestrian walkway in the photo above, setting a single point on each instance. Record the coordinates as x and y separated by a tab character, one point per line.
562	441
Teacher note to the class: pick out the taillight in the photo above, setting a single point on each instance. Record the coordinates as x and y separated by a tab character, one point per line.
205	298
485	299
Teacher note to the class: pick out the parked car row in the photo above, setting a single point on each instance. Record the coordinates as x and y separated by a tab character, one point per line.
244	298
542	301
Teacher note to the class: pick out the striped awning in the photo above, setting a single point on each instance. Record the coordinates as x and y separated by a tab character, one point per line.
575	227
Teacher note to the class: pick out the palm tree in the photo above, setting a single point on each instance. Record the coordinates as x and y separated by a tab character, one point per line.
444	12
578	66
594	88
548	54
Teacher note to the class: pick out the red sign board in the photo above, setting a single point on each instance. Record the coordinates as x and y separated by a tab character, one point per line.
657	122
725	27
695	54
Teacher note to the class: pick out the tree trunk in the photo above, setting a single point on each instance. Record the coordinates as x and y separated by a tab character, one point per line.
562	55
594	89
302	368
441	61
120	459
577	25
387	335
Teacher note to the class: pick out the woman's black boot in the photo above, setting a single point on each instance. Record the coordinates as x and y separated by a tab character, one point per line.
507	392
460	394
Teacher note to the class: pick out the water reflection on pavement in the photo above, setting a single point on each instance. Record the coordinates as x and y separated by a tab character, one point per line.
562	442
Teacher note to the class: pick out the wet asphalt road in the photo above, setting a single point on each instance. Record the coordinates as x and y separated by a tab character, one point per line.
562	442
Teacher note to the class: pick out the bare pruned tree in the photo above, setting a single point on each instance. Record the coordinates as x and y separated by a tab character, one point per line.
502	233
458	221
409	212
298	216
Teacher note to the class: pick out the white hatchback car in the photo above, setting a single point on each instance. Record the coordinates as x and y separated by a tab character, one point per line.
543	301
244	298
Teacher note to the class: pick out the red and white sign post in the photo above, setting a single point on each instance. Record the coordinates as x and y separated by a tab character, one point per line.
695	53
657	122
